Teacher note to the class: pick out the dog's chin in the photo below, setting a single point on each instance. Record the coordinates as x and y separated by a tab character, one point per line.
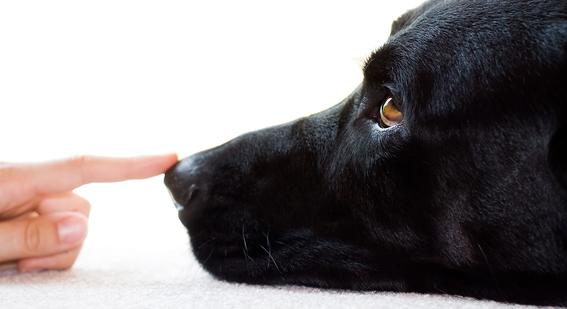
181	214
229	247
228	260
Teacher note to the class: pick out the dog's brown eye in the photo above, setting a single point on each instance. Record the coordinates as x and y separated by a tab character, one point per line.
390	115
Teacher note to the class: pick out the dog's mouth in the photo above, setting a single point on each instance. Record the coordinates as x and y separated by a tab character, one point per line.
178	206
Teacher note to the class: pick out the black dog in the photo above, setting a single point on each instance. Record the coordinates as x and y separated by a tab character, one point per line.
444	172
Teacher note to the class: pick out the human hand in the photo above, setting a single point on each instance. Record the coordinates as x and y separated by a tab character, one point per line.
42	222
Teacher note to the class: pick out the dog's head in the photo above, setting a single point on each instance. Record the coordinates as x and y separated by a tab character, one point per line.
444	171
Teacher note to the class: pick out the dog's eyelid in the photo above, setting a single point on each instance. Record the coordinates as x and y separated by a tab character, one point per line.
390	86
377	67
393	93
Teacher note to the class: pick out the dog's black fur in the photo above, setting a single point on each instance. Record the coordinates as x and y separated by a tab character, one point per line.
466	196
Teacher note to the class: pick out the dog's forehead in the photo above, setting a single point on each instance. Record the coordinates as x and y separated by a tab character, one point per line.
411	36
445	26
457	46
407	18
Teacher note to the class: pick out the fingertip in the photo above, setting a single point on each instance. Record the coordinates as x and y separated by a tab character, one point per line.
60	261
171	158
166	161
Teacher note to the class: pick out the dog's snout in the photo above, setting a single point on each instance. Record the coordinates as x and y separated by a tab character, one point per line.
182	182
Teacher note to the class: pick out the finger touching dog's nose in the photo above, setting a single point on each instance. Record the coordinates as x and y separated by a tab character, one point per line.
181	180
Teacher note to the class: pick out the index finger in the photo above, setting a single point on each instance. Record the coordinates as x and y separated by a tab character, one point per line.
68	174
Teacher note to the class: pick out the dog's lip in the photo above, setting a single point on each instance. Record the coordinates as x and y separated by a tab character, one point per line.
178	206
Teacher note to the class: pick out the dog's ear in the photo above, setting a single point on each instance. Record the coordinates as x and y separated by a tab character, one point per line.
558	155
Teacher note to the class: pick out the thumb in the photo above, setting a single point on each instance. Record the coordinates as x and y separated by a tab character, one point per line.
43	235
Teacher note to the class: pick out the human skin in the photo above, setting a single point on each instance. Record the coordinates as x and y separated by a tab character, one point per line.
43	224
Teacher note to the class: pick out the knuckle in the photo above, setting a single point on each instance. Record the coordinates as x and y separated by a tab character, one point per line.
32	236
9	174
79	163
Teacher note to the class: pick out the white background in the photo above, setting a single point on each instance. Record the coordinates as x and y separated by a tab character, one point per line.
139	77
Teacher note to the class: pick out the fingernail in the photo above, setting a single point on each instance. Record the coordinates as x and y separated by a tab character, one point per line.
71	230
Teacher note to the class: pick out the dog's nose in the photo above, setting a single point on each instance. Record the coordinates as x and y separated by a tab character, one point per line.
182	182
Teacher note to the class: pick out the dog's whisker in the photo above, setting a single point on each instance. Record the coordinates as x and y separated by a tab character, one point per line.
209	256
271	257
245	248
268	241
205	243
244	239
490	269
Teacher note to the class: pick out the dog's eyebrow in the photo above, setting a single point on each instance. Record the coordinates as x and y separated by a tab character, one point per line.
377	66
